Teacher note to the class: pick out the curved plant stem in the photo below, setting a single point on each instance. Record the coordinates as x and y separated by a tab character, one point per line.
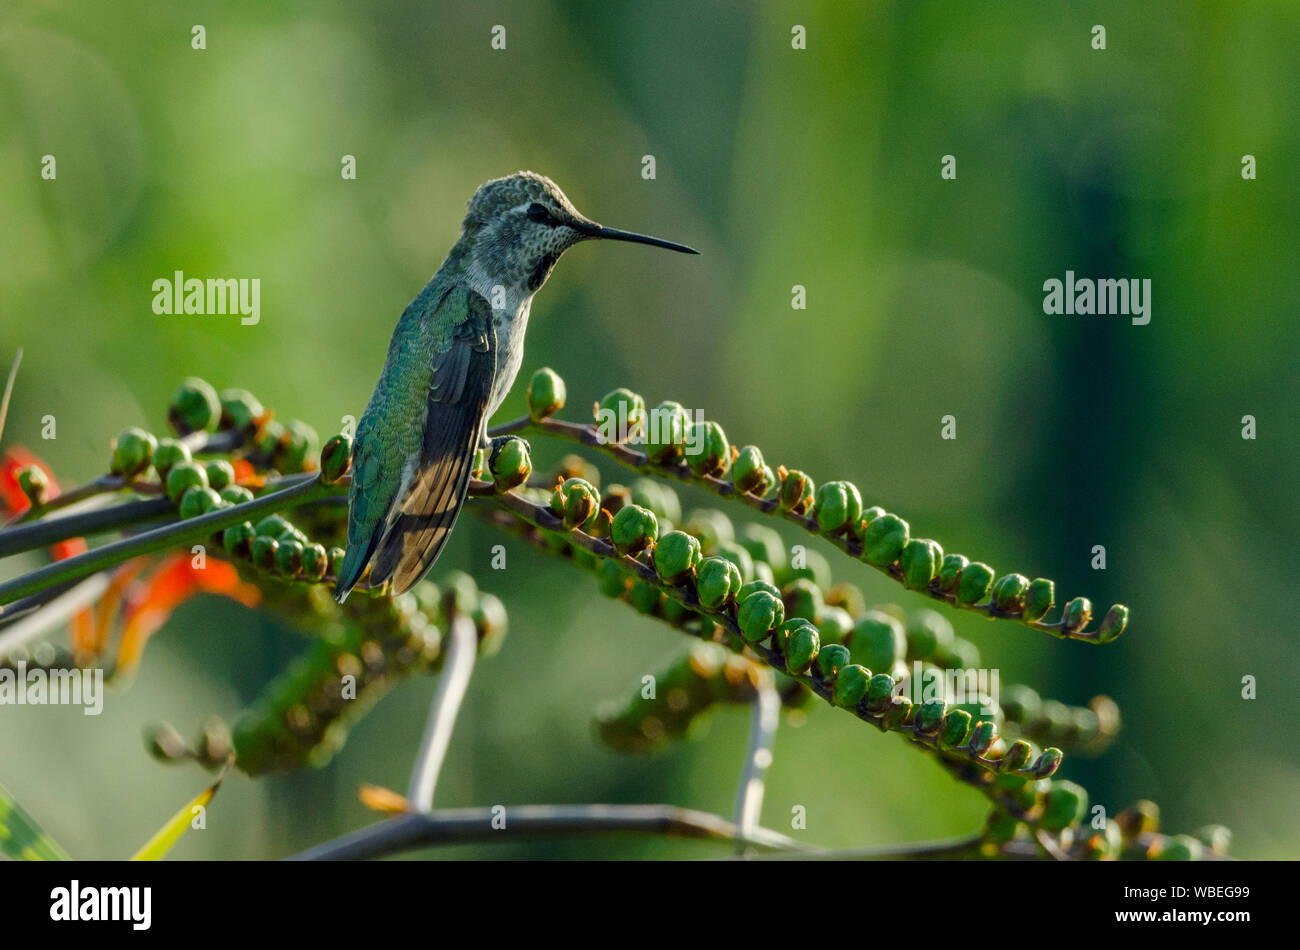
460	825
964	763
47	531
9	388
749	793
945	849
628	456
53	613
457	668
305	489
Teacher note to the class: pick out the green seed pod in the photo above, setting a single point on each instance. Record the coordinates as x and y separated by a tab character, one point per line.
974	582
1215	837
170	452
831	658
982	736
919	562
165	743
1065	804
803	598
759	612
1039	599
288	557
301	450
336	561
238	539
620	414
221	474
1143	817
707	450
851	684
798	493
194	407
274	526
1016	757
839	507
884	539
880	690
1021	703
834	625
676	556
644	597
491	621
956	727
748	470
929	717
198	501
1009	593
315	561
335	458
1077	614
1113	624
928	634
236	494
132	452
546	393
1048	762
576	501
717	582
949	571
801	649
611	579
738	556
895	713
877	640
34	484
240	410
711	526
511	463
815	568
1178	848
666	431
265	549
633	530
185	475
1000	828
763	544
783	632
747	589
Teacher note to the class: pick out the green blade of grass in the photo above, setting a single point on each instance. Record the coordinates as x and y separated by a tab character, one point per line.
21	837
177	825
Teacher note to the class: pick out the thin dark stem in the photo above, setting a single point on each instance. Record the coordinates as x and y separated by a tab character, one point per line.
55	612
501	823
47	531
306	488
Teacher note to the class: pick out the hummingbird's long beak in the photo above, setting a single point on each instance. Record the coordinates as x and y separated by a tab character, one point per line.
592	229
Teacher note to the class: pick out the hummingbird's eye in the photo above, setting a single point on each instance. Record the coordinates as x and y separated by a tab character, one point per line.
538	212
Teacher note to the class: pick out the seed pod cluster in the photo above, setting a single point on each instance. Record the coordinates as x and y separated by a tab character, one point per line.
671	703
369	645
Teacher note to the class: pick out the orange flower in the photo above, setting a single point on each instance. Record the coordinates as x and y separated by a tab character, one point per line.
149	602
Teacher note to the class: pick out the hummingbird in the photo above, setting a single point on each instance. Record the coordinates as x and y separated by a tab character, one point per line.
452	360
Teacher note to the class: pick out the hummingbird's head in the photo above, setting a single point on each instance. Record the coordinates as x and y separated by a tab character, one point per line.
518	226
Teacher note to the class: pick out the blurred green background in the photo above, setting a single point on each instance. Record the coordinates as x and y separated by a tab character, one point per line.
817	167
